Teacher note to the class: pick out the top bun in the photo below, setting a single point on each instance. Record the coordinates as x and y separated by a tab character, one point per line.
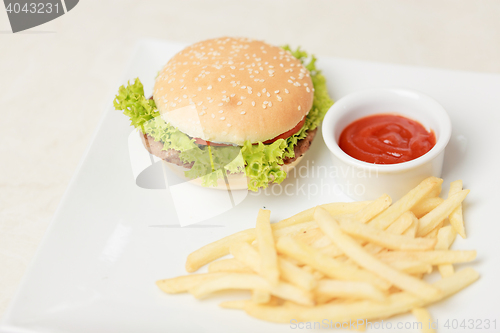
229	90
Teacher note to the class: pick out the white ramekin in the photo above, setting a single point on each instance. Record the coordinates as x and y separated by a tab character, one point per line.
366	181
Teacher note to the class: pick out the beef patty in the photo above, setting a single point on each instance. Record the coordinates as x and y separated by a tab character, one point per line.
172	155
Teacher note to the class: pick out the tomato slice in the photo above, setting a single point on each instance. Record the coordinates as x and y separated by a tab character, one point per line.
287	133
281	136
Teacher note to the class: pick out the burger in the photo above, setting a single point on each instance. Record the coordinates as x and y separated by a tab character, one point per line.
231	111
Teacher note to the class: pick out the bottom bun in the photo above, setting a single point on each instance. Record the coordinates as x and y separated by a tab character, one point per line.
238	181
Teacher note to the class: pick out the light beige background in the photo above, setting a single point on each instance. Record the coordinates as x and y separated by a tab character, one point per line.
57	79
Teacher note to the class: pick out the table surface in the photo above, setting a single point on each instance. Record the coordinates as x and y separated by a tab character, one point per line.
57	79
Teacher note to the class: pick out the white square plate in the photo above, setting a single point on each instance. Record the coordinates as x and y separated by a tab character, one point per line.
111	240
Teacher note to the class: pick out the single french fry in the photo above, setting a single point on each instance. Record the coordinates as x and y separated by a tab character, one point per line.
356	252
267	251
436	257
228	265
295	229
336	208
182	284
433	218
260	296
386	239
330	267
252	282
456	216
412	229
310	236
235	305
407	202
349	289
411	266
274	314
435	192
445	237
217	249
426	205
373	209
424	317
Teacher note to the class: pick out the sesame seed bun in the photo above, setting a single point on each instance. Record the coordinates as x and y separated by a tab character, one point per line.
229	90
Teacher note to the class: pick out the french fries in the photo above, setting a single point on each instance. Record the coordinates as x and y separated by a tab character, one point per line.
356	252
430	220
340	261
330	267
406	203
386	239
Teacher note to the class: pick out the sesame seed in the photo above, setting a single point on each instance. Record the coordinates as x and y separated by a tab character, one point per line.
239	103
222	118
297	84
199	88
232	95
242	112
308	90
270	104
276	91
299	108
258	94
263	106
264	90
221	111
243	87
220	104
266	102
268	94
209	87
286	90
184	96
253	103
228	125
279	98
213	116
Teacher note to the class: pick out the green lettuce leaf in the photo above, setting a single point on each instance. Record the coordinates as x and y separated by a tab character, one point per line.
261	162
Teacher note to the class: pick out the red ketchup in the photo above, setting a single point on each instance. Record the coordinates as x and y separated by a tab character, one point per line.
386	139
